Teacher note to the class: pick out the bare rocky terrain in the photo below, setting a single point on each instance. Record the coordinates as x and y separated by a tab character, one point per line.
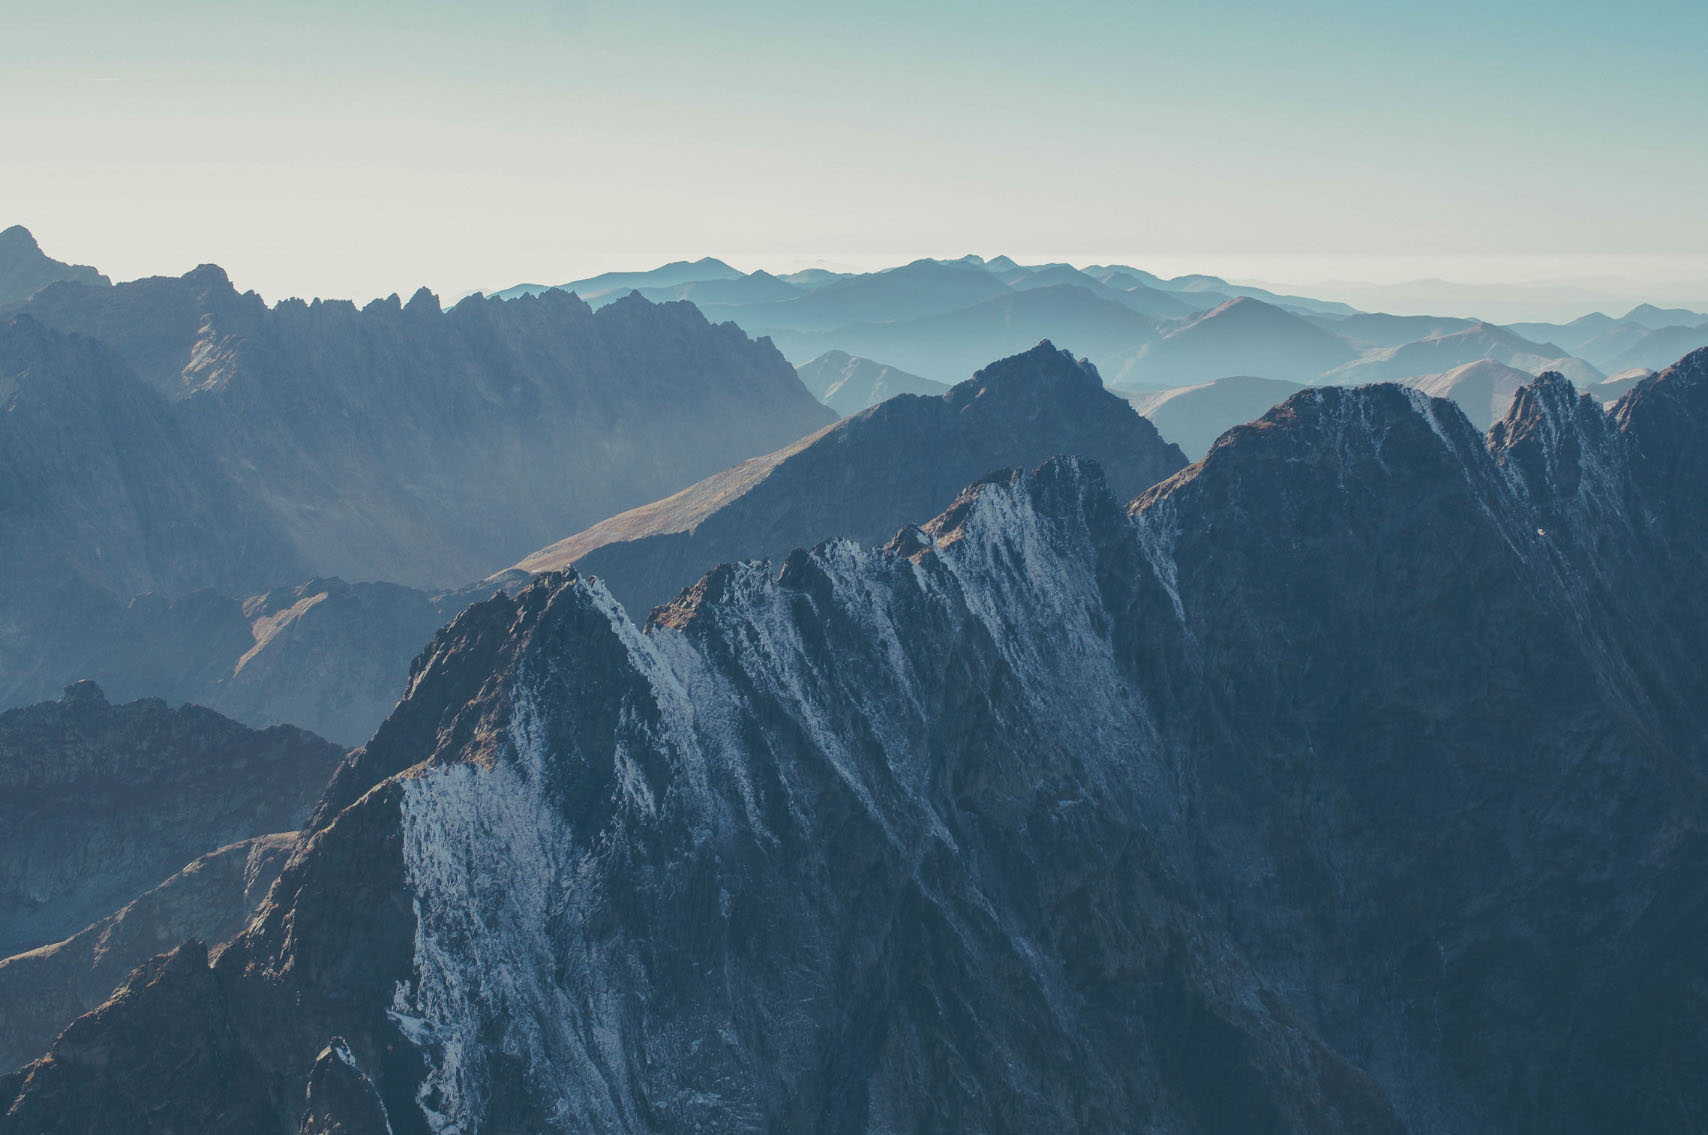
1347	780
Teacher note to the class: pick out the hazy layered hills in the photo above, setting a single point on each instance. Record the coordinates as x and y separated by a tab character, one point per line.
955	343
1140	297
1349	780
1446	350
1658	318
940	318
937	317
1202	292
674	274
25	269
1483	389
1240	337
1379	329
1646	337
849	384
869	475
421	446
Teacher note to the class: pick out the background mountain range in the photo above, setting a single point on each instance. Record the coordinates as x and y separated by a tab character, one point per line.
298	514
943	319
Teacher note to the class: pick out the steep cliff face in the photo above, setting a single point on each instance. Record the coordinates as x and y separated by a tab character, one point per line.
1341	783
431	447
894	464
101	801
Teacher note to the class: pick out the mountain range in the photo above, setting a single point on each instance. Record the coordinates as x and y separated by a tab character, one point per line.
868	476
941	319
1350	779
427	447
188	475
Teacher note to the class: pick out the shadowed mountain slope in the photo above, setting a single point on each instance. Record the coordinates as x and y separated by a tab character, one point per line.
328	655
429	447
103	487
102	801
869	475
1352	780
211	899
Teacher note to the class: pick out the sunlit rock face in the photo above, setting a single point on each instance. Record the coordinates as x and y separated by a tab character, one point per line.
1348	780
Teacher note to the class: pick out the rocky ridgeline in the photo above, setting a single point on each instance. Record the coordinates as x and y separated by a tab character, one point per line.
894	464
420	446
1351	780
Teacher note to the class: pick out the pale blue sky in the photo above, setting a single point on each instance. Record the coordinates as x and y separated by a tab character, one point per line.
312	148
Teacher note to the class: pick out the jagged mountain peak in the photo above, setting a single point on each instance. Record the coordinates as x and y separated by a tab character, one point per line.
1041	371
1557	440
25	269
1066	489
423	302
334	424
895	463
210	276
1664	419
16	239
1370	420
